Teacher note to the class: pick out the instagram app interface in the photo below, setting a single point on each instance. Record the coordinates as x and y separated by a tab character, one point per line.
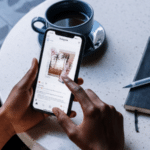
60	57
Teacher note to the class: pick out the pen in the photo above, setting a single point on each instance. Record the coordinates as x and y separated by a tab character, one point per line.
138	83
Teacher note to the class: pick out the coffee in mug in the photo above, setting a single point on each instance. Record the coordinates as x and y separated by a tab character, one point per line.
69	19
70	15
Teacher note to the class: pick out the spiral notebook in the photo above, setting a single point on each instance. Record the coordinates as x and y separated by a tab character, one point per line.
139	97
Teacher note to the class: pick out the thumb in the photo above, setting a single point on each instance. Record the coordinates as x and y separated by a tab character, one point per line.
29	78
65	122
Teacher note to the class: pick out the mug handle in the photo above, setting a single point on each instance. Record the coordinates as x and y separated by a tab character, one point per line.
36	29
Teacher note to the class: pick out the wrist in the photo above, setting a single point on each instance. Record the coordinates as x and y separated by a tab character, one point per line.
6	129
6	125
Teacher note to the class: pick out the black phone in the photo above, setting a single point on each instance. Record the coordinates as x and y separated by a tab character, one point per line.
61	54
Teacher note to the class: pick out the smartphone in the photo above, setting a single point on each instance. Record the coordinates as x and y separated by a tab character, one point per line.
61	54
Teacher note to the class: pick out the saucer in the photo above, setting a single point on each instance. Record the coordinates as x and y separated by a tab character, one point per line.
94	42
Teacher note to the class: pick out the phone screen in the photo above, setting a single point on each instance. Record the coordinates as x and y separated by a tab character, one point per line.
60	57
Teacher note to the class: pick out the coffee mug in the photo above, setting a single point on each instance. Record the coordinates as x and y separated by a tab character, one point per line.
71	15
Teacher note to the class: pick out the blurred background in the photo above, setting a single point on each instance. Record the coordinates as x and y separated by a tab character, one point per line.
11	11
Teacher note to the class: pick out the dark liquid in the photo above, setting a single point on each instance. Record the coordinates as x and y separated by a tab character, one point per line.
69	19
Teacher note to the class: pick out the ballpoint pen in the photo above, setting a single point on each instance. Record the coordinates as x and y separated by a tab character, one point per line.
138	83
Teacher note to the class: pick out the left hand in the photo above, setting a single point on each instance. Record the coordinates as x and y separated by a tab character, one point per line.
17	108
16	111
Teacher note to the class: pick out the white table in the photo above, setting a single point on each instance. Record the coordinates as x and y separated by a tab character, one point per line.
127	26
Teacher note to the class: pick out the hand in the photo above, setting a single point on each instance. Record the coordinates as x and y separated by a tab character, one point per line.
102	126
17	108
17	111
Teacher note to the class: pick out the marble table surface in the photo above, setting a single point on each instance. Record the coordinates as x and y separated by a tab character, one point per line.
127	27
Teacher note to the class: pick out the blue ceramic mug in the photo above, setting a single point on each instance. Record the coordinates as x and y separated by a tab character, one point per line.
67	8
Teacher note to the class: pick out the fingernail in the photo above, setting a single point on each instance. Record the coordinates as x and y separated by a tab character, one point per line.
65	78
55	111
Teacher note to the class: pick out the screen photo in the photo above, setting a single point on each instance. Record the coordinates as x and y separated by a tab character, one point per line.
60	57
61	62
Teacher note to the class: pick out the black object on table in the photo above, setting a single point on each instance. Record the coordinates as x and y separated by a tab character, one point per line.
138	97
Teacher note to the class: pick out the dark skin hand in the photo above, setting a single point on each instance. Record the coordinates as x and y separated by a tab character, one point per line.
16	111
102	126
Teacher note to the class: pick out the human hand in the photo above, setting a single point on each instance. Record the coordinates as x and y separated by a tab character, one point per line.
17	110
102	126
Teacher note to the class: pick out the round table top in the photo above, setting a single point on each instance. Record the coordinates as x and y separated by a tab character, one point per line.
127	28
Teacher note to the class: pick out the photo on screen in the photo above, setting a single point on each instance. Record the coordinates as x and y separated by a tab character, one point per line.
61	62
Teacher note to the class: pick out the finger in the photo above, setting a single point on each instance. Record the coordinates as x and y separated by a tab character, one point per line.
78	92
73	114
46	115
94	98
80	81
64	121
28	80
75	100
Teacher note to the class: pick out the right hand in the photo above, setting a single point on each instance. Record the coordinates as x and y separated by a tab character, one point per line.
102	126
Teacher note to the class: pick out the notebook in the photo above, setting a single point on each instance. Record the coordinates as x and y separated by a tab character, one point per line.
139	97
